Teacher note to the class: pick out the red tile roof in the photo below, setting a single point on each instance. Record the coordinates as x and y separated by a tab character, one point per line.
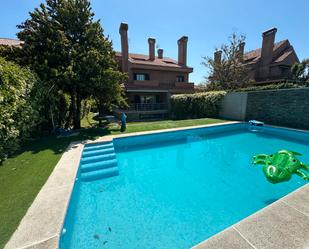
254	55
143	59
10	42
286	53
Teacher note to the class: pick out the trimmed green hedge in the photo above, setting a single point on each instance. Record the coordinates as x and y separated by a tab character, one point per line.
198	105
273	87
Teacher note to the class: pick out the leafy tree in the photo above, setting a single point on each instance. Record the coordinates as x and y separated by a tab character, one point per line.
11	53
300	71
69	52
19	107
229	72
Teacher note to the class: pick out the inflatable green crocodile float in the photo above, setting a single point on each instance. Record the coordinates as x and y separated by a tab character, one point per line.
280	167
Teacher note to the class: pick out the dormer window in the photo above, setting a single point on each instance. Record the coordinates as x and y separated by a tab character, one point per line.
180	78
141	76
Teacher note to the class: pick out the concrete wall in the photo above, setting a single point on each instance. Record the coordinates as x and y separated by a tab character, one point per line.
286	107
234	106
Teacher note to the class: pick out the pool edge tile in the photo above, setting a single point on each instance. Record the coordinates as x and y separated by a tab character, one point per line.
277	227
227	239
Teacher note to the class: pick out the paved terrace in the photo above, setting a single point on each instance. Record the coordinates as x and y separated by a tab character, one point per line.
281	225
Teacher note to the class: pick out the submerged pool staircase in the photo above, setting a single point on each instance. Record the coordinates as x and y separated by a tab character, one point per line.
98	161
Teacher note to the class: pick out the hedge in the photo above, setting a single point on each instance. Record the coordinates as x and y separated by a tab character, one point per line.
18	114
198	105
273	87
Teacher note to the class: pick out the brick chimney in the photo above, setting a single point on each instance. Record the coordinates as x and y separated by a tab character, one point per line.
217	57
123	31
267	52
160	53
152	42
182	51
241	51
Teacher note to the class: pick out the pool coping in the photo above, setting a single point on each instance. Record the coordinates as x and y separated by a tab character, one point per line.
41	226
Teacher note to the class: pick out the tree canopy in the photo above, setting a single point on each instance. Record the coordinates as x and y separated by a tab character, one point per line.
67	49
300	71
228	70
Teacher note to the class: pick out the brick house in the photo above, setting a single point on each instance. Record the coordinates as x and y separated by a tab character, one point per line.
272	62
152	79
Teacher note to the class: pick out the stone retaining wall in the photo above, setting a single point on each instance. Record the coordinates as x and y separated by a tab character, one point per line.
285	107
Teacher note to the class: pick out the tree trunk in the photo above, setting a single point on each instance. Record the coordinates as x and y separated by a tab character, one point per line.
102	110
76	102
78	110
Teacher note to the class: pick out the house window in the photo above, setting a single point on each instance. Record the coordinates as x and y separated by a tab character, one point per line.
148	99
141	76
180	78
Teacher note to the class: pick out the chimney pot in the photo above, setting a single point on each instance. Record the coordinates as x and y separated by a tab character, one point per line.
241	50
152	42
182	50
270	32
160	53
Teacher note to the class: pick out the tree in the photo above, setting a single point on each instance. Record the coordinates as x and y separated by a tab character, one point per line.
19	115
300	71
227	71
68	50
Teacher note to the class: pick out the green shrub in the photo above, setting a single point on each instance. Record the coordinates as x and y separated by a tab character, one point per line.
18	113
273	87
198	105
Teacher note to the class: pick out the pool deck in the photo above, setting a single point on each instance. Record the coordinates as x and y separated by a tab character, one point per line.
284	224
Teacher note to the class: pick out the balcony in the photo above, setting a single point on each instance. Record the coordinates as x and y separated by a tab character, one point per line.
184	85
181	87
147	83
144	111
148	107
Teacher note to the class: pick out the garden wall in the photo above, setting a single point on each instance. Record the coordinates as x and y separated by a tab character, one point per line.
285	107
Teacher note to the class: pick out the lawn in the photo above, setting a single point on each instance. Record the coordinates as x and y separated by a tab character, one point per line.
23	175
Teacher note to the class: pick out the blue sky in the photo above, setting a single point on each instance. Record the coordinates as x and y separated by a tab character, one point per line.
206	23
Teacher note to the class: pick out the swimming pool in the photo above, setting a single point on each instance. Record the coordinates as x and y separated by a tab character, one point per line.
175	189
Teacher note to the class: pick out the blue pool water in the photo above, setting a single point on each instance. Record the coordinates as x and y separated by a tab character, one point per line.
177	189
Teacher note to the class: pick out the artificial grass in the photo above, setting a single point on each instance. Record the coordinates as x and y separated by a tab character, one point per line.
23	175
165	124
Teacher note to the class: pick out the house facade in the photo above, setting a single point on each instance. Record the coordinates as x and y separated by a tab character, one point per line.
152	78
272	62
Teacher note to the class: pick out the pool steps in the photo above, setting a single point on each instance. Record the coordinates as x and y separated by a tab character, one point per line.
98	162
98	146
98	152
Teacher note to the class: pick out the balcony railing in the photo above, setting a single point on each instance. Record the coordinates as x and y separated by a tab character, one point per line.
161	85
148	106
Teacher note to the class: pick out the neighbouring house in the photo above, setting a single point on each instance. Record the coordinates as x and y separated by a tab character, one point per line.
10	42
272	62
152	78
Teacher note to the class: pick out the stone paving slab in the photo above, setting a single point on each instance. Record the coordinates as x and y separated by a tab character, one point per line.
278	226
299	200
228	239
51	243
